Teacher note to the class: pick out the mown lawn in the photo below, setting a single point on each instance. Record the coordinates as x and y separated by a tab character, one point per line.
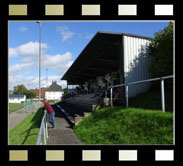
116	125
15	107
26	132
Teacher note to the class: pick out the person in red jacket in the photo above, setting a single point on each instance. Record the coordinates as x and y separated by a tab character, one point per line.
51	113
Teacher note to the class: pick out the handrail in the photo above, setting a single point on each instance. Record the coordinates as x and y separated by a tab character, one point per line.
142	81
43	130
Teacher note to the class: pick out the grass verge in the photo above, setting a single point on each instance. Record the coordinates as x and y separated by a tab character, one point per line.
15	107
26	132
116	125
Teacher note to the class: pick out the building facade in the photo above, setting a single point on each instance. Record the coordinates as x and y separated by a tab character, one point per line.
17	98
54	92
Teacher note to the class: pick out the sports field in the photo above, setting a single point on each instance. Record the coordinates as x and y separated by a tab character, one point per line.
15	106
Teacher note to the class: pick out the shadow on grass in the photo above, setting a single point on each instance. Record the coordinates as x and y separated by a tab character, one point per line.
152	100
36	122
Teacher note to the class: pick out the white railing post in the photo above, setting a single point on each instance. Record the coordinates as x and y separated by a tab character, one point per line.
44	132
46	127
111	98
126	94
162	95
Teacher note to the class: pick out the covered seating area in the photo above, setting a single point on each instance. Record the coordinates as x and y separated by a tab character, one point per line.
106	62
95	69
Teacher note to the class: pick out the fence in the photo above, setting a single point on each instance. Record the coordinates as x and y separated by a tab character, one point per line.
138	82
30	106
43	132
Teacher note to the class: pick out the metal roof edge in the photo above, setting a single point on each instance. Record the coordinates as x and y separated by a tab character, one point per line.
100	33
125	34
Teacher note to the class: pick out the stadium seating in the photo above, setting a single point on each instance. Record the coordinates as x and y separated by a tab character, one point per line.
87	101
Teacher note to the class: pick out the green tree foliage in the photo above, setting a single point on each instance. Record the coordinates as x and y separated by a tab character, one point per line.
65	93
161	51
30	94
21	89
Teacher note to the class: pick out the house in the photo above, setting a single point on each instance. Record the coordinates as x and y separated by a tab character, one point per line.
17	98
37	92
54	92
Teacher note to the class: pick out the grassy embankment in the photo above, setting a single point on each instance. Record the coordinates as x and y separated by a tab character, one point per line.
117	125
126	126
26	132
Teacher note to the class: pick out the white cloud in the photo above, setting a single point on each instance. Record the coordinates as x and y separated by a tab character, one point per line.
13	52
88	35
15	69
28	59
23	28
59	61
65	32
31	48
23	72
28	49
33	82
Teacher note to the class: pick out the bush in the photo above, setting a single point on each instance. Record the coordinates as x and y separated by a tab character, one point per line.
161	52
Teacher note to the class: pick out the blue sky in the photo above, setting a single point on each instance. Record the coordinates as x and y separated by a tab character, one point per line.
62	42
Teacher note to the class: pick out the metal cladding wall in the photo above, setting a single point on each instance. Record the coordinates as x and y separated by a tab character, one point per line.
136	64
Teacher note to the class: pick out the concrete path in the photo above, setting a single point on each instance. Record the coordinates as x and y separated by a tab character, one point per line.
15	118
63	134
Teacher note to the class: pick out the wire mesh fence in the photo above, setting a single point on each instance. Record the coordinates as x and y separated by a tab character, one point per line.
31	106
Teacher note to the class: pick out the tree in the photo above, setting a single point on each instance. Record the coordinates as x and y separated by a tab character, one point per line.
30	94
161	52
21	89
65	93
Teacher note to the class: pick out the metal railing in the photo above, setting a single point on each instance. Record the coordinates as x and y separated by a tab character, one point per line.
142	81
43	132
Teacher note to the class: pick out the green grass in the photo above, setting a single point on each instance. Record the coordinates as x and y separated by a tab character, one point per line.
116	125
152	100
26	132
15	107
10	92
51	102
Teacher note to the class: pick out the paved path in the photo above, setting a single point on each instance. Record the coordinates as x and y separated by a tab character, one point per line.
63	134
16	117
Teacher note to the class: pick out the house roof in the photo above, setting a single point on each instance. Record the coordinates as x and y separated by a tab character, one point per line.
99	57
16	96
54	87
37	92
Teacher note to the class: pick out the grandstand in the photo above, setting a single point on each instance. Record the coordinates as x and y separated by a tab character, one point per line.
108	59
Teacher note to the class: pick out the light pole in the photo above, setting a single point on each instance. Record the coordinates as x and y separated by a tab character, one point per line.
46	78
39	24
